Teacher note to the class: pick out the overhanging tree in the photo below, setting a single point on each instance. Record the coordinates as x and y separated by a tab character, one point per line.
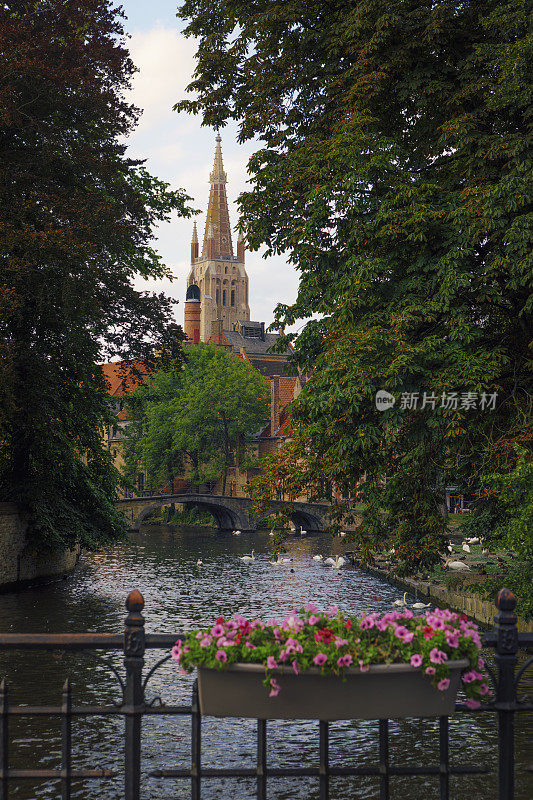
76	218
199	417
395	172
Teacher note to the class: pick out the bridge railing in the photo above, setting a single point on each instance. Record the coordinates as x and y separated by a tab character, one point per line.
135	705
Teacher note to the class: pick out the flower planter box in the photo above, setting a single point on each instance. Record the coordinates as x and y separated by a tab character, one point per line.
386	690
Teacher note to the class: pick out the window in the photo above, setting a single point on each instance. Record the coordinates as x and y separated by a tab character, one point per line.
233	297
225	270
218	296
224	297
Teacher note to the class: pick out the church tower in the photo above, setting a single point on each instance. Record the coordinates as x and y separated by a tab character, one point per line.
219	275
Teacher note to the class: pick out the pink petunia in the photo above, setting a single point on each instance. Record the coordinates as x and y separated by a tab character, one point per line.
313	619
416	660
320	659
471	703
430	670
484	689
443	684
221	656
271	662
295	667
206	641
217	630
362	666
274	688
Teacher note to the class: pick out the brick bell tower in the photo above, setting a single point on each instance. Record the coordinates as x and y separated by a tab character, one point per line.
219	276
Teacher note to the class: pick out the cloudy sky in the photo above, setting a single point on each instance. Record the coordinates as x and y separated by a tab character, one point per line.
180	151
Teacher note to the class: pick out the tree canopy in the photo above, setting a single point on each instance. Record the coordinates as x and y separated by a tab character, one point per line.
76	219
394	171
196	419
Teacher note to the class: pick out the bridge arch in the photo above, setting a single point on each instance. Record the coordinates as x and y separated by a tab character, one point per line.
227	518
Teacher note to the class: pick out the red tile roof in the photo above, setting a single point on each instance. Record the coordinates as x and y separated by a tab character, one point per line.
123	377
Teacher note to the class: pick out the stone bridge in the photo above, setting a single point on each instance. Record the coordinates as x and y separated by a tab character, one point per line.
231	513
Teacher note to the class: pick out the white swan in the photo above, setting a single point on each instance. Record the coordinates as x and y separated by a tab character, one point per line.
343	533
318	558
247	559
401	602
460	566
199	563
466	547
271	533
450	548
336	562
236	533
475	540
280	561
421	605
302	532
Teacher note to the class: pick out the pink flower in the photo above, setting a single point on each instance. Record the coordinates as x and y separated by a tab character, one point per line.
443	684
231	625
341	642
468	677
416	660
362	666
333	611
217	630
437	656
176	652
402	633
313	619
221	655
206	641
344	661
295	667
271	662
283	655
320	659
471	703
274	688
480	663
250	645
311	607
430	670
293	646
484	689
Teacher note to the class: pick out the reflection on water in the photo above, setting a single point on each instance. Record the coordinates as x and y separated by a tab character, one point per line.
179	595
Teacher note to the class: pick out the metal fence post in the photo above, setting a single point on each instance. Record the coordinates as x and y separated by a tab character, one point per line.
505	657
134	646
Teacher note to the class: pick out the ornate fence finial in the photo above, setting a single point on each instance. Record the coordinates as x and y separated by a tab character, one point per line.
505	600
135	601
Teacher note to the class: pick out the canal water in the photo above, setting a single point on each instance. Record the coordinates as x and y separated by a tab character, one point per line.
160	561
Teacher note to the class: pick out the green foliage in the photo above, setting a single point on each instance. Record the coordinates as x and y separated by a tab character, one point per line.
395	173
198	417
504	516
76	219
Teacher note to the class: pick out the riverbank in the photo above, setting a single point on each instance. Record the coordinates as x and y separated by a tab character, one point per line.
21	563
482	611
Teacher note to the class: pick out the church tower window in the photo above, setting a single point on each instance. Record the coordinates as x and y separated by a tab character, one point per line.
218	296
223	297
233	297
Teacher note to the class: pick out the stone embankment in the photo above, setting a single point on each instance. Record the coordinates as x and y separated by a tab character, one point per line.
460	599
20	561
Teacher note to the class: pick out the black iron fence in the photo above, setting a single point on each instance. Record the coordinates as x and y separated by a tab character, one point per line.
506	676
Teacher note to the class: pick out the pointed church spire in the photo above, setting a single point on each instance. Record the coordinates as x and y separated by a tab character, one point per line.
194	244
217	212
